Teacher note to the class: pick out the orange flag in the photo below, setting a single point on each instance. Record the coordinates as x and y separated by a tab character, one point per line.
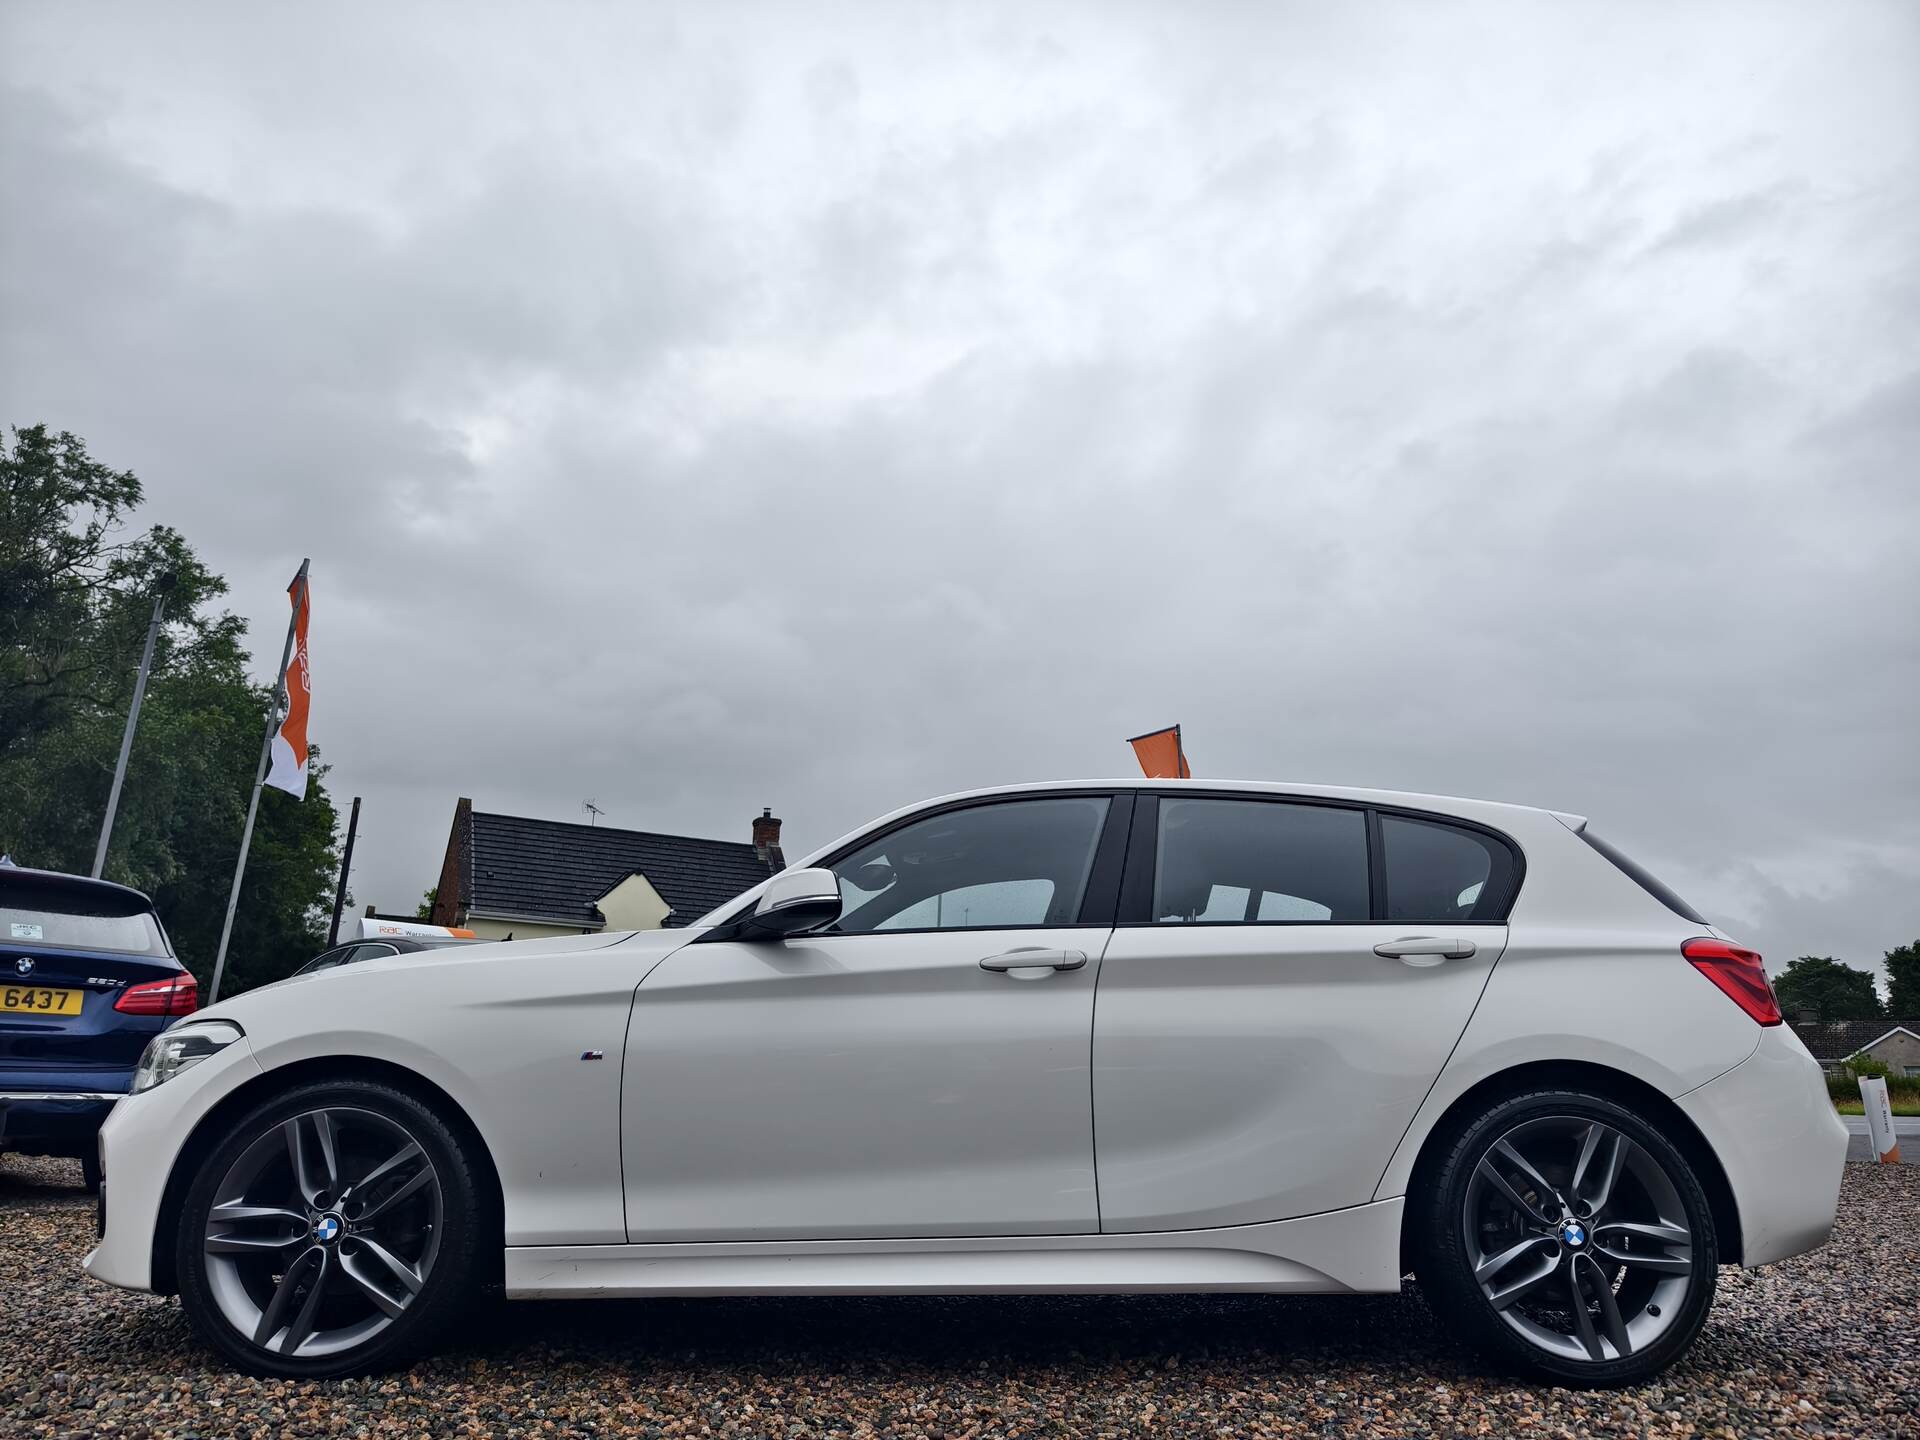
1161	755
289	772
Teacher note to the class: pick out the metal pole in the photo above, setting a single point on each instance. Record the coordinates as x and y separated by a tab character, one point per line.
133	720
346	864
259	779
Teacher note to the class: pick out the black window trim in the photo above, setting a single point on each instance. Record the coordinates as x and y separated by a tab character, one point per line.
1136	900
1098	905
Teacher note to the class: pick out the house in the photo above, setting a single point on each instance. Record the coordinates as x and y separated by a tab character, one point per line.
507	876
1894	1043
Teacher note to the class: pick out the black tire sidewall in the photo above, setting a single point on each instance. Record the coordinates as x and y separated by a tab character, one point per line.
1446	1273
448	1286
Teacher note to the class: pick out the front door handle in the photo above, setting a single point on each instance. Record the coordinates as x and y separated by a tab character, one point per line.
1424	949
1035	959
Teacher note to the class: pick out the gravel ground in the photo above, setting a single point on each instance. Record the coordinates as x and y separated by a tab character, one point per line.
1828	1344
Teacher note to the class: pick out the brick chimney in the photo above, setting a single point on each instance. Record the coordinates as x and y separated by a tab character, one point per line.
766	840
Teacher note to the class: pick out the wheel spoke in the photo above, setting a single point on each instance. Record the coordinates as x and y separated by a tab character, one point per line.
1506	1186
271	1317
1601	1154
329	1160
1582	1318
1612	1239
234	1243
405	1273
313	1167
1487	1269
1615	1327
303	1323
1520	1289
406	1154
419	1180
369	1287
239	1212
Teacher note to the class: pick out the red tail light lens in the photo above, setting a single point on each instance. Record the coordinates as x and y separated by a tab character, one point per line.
175	995
1739	973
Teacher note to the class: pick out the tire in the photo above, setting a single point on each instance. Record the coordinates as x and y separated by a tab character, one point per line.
1512	1251
339	1229
90	1170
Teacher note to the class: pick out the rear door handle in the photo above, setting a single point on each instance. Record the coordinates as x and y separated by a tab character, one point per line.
1035	959
1424	949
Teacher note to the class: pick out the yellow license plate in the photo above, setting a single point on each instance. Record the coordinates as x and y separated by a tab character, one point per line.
39	1000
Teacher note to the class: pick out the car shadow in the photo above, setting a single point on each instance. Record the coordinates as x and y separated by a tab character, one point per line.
944	1334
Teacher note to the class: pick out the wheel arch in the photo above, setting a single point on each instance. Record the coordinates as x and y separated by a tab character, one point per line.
1594	1079
213	1127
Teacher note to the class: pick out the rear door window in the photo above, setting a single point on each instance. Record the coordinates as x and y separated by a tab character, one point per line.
1256	862
1443	874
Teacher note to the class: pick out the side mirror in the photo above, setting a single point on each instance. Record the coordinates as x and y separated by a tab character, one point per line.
794	902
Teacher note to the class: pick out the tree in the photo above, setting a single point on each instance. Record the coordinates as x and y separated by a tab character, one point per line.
1835	991
68	649
1903	982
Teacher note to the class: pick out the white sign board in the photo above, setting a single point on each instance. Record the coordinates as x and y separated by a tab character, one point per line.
1873	1099
376	929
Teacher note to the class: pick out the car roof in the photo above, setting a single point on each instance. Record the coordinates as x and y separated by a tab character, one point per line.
1460	805
74	884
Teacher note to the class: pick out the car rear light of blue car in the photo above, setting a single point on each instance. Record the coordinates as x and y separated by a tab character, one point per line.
173	995
1737	972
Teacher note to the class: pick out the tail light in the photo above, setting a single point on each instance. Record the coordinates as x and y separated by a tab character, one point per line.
175	995
1737	972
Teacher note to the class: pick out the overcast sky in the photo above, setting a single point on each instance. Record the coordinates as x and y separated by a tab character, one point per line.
695	409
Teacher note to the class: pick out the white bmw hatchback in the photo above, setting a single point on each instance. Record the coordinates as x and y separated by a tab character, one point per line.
1121	1037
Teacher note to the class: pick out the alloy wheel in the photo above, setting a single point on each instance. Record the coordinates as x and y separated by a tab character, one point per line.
323	1232
1578	1239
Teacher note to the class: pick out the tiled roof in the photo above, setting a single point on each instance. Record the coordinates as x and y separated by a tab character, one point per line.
1838	1039
555	870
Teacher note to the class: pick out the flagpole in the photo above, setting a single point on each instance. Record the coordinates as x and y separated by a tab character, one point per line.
165	584
259	780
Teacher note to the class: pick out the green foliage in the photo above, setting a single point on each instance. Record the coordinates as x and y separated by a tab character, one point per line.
425	909
1834	990
1903	982
1844	1083
68	652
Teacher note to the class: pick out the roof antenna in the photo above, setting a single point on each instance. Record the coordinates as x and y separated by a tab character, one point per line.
593	811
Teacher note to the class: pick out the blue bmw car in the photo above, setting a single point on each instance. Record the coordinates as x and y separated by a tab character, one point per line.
87	978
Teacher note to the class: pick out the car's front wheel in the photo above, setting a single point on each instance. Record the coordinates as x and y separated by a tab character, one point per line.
337	1229
1565	1233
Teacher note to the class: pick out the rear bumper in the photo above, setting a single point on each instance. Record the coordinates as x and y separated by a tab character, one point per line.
1781	1143
53	1122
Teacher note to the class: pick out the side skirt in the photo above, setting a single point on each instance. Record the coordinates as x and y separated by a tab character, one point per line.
1356	1250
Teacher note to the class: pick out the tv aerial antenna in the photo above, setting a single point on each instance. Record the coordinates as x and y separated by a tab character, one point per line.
594	812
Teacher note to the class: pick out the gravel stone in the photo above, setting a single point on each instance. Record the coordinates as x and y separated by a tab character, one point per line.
1824	1345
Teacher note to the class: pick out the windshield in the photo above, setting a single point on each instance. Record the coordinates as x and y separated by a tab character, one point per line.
35	913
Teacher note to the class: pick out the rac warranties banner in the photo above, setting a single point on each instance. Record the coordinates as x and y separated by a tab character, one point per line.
289	772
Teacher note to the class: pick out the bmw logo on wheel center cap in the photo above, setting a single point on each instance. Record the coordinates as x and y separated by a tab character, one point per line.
327	1228
1572	1234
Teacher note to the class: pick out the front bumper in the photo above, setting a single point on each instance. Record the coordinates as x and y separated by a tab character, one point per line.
1781	1143
139	1144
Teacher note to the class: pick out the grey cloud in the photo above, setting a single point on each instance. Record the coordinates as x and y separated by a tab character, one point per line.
739	414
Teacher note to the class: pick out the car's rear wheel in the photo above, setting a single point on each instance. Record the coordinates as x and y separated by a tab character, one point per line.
1566	1234
336	1230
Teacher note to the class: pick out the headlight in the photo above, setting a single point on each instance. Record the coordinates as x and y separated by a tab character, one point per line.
172	1051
